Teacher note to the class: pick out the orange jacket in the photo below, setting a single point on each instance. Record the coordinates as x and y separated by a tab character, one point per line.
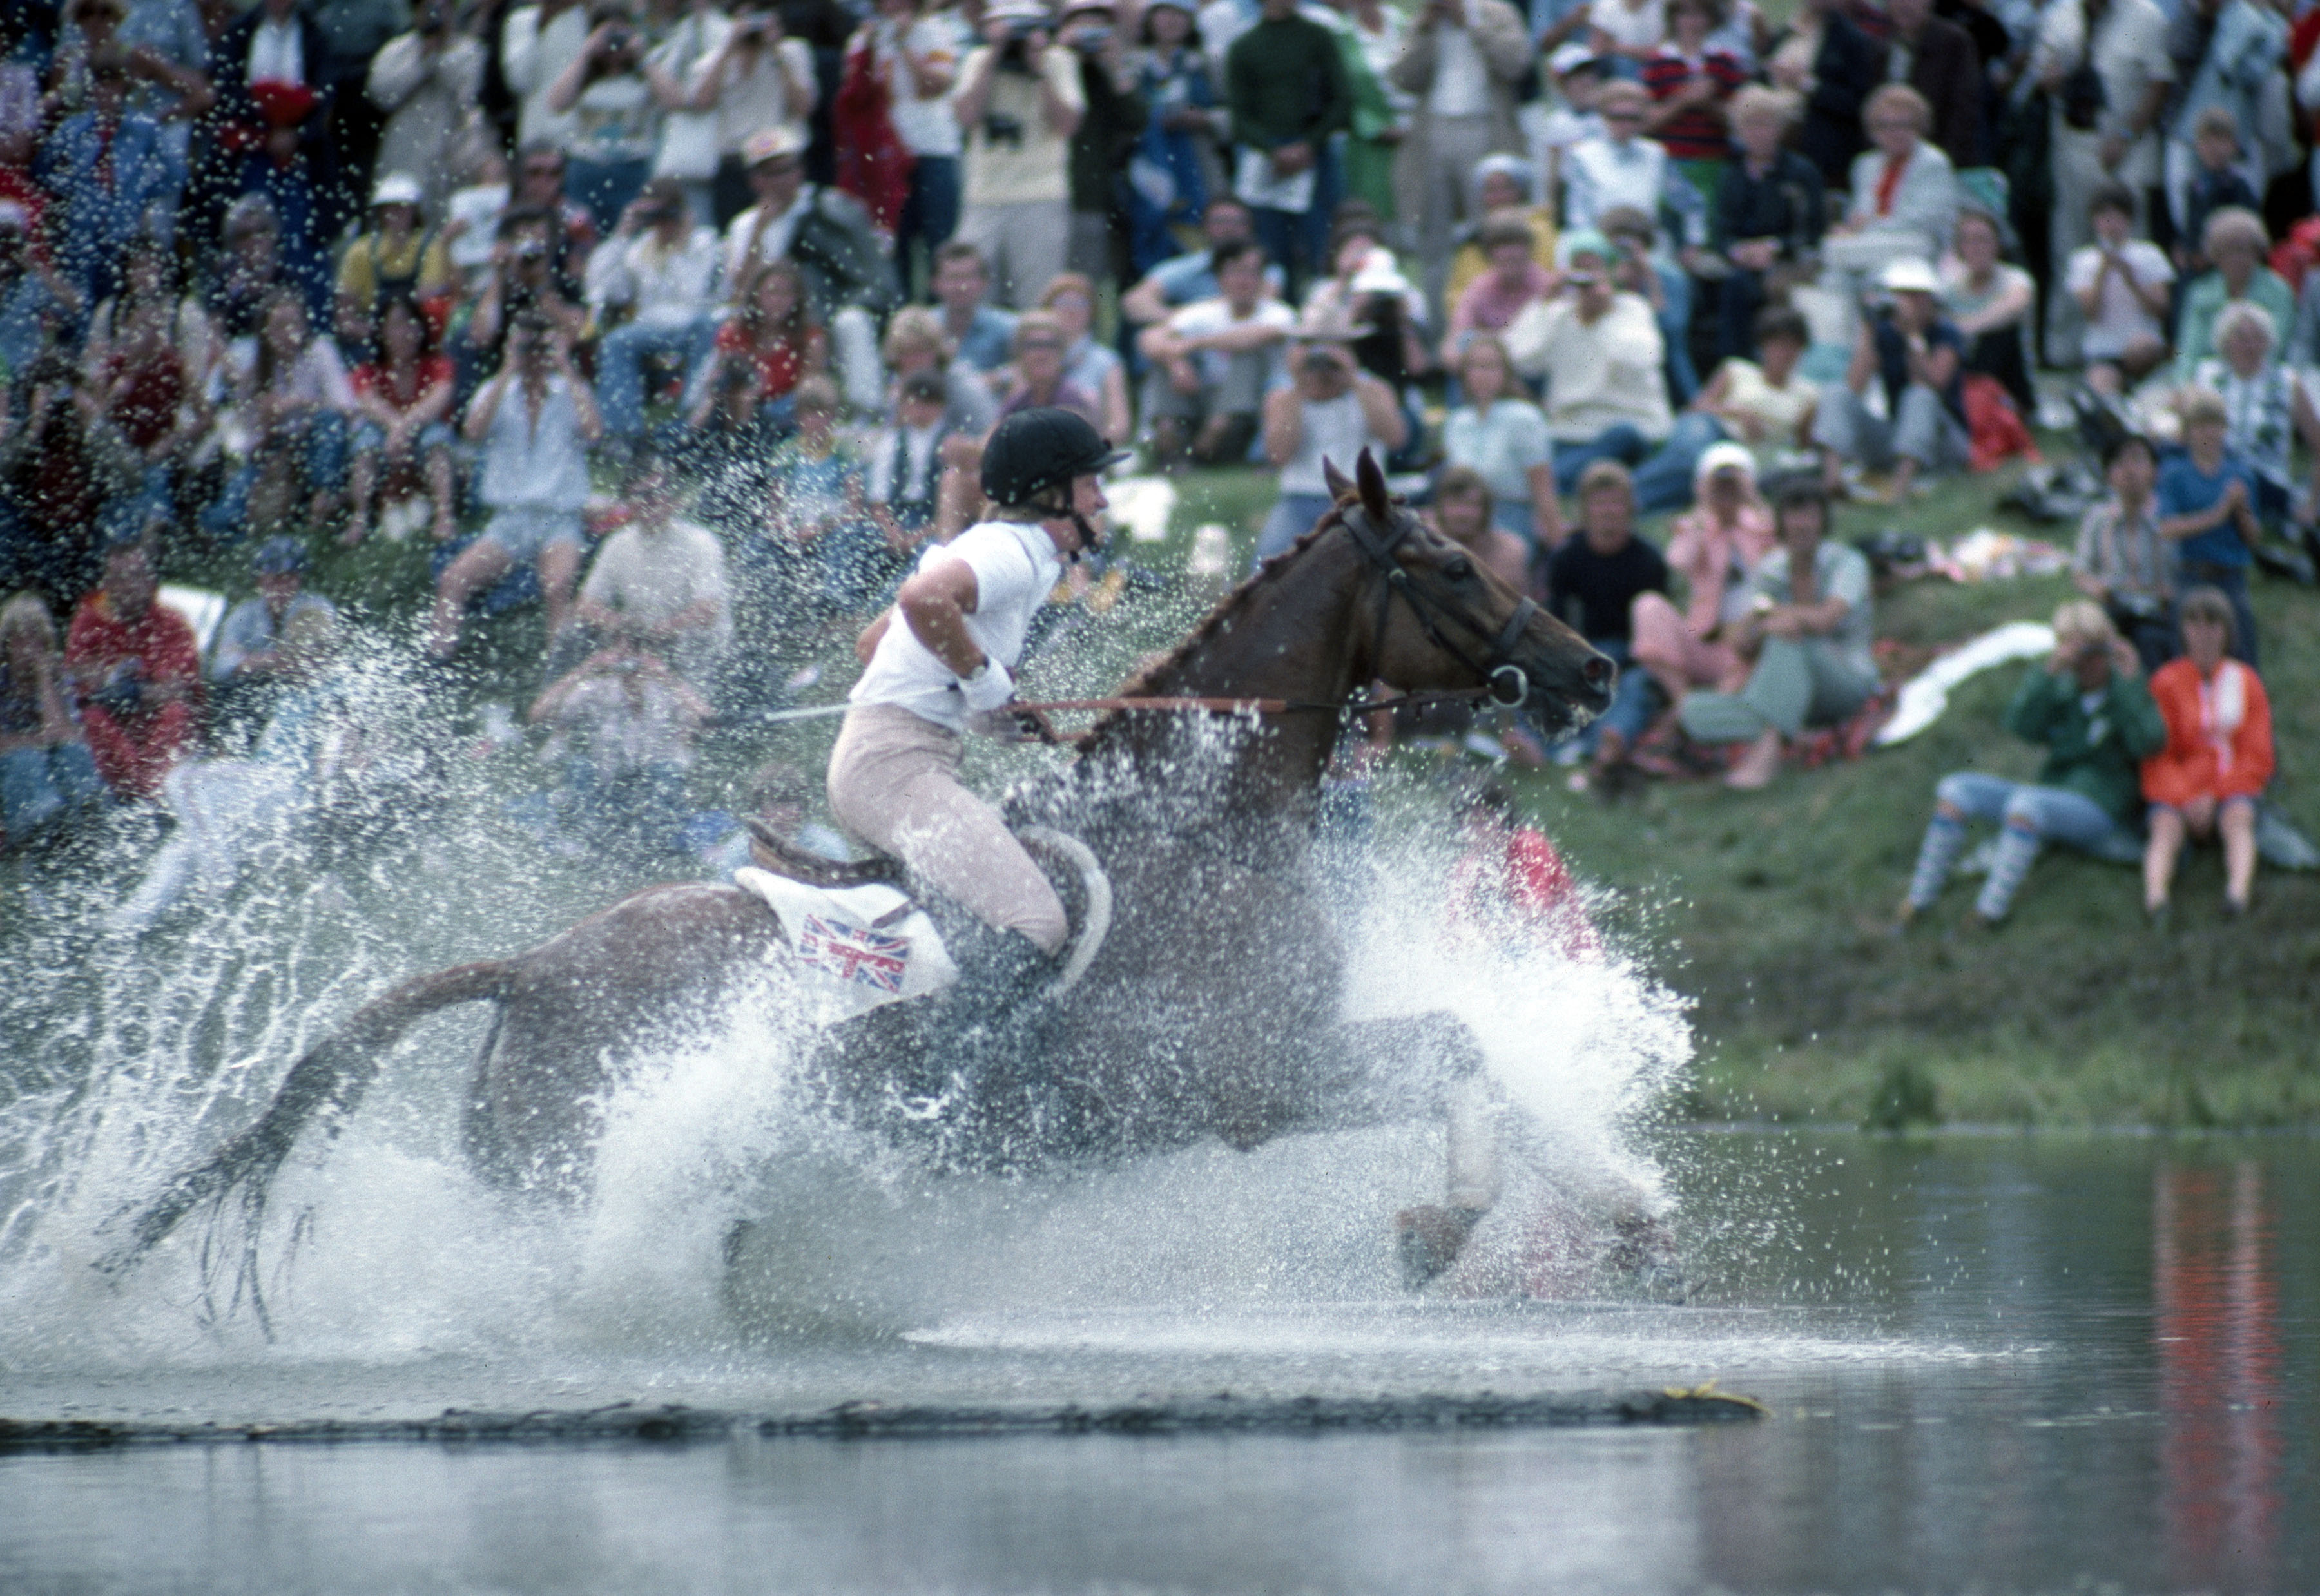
2218	734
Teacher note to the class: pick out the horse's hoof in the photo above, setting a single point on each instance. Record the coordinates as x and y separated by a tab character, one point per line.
1428	1240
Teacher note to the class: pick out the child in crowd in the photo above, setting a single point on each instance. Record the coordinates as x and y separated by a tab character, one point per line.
2124	286
1716	549
904	483
2216	182
2207	509
2217	757
821	525
2267	406
2121	563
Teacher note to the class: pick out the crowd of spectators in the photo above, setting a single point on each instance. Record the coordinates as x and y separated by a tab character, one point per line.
762	278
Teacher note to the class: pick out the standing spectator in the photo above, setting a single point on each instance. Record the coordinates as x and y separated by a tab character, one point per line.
1919	355
689	147
662	268
2232	110
617	95
1286	88
1461	64
772	342
2104	68
1716	549
916	342
1331	409
2215	182
1601	354
982	334
290	404
1625	31
1691	83
1214	362
2210	774
397	258
2236	242
2122	562
2269	405
46	772
537	43
115	177
1809	627
248	660
1105	140
294	169
2207	509
426	82
915	48
134	662
2124	287
1020	100
1591	580
261	55
1939	61
1769	214
535	421
1825	59
658	584
1370	35
1500	435
1515	280
1762	404
758	77
61	464
1905	197
1168	185
1989	302
402	402
2088	705
1095	370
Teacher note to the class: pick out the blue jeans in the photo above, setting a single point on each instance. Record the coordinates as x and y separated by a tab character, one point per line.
604	188
2030	817
929	211
1663	482
1293	515
1634	700
1286	236
319	440
1618	441
619	367
1675	331
37	784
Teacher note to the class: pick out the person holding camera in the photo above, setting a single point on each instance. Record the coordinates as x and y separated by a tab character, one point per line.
1019	102
2088	705
661	268
1600	350
617	96
1331	411
523	282
426	83
756	77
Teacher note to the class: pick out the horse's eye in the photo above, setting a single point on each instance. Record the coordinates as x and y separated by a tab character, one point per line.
1458	570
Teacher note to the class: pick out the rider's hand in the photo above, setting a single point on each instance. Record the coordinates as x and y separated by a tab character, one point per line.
988	689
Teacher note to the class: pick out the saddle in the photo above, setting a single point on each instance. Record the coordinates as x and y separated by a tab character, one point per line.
870	936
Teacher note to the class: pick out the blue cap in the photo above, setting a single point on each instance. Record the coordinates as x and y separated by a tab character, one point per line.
278	556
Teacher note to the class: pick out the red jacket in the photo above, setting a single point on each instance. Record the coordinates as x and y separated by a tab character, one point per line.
133	750
2218	734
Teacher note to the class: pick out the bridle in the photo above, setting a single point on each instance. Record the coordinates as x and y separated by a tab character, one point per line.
1510	685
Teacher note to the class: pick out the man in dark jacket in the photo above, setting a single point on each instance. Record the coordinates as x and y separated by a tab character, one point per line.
1939	61
1105	139
1825	57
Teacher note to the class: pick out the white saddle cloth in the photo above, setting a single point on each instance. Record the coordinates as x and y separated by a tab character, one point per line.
861	946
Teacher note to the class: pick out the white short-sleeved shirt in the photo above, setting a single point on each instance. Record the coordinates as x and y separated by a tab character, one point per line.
928	127
1642	28
2130	53
1502	446
1015	567
1206	317
2119	319
651	576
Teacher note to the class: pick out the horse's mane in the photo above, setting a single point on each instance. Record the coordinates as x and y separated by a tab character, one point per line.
1147	679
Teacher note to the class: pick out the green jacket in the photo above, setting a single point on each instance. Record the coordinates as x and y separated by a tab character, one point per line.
1285	84
2096	754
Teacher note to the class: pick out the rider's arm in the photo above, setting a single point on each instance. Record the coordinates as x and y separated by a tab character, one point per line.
873	634
935	605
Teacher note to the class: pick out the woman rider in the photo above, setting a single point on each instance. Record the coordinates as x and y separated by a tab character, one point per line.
893	776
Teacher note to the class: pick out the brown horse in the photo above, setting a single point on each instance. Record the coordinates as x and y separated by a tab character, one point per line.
1213	1006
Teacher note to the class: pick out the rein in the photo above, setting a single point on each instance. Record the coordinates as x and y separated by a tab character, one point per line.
1509	684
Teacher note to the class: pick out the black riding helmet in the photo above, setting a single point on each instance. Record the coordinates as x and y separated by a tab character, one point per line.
1034	450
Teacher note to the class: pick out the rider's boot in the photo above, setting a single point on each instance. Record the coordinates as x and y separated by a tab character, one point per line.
998	1024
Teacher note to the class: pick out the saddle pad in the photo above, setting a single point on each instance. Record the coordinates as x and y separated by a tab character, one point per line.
862	946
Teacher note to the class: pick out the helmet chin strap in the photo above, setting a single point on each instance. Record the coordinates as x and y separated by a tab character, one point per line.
1090	539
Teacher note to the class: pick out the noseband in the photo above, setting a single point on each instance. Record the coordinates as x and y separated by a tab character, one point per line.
1509	684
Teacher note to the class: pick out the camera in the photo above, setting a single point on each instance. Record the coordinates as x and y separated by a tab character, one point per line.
618	39
1002	130
531	251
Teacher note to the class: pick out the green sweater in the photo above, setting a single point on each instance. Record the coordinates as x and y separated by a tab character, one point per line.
2096	754
1285	84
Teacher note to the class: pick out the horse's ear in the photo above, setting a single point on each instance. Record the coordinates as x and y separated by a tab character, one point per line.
1372	477
1333	478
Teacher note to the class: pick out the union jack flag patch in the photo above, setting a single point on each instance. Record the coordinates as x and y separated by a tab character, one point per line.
851	952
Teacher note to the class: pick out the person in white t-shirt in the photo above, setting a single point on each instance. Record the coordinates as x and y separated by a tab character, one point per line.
753	78
1214	361
939	663
915	50
660	583
1020	99
2123	286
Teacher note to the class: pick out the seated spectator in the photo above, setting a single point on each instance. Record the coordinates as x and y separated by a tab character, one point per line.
39	306
1639	267
1988	303
1332	410
2211	772
1806	631
46	777
1622	168
247	663
1691	83
290	408
1919	355
248	271
2215	183
916	341
658	266
534	420
541	179
1038	379
2124	289
1591	581
1905	194
2087	704
1825	58
903	486
2266	407
2236	242
148	276
1214	362
524	281
982	333
1190	279
624	725
1771	212
149	392
1716	549
115	175
397	256
825	548
472	212
1365	287
658	584
136	672
1600	352
1500	434
1462	513
1577	79
402	434
773	341
63	466
1515	280
1502	186
2207	509
1090	367
1762	404
2122	562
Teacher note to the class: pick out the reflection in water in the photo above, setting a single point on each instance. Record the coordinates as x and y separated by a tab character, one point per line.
2217	1298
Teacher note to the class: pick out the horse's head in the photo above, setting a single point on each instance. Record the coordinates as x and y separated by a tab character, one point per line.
1443	622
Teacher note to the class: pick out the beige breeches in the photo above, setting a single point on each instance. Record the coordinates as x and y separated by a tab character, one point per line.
893	782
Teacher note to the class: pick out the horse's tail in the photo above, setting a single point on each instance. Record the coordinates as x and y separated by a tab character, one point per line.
327	1084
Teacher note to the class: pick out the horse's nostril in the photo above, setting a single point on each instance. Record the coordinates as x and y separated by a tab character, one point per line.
1597	672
